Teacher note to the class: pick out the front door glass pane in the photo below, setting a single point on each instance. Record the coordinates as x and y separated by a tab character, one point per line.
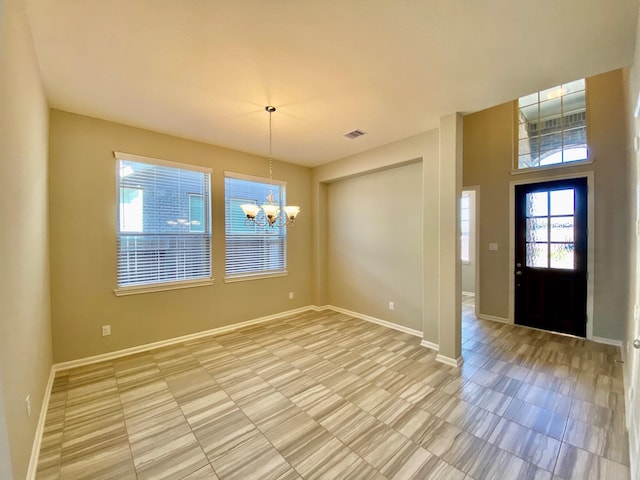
562	202
538	255
537	204
537	229
562	229
562	256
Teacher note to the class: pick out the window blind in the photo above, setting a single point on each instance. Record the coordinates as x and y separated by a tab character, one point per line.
252	249
164	222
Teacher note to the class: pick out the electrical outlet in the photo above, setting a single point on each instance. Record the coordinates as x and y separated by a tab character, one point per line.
28	405
106	330
493	247
290	295
391	306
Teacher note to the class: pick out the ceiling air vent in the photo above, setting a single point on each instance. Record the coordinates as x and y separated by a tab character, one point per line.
355	134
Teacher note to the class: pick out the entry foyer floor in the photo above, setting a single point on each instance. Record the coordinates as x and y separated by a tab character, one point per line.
324	395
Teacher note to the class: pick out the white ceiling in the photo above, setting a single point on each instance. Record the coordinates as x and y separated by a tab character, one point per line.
205	69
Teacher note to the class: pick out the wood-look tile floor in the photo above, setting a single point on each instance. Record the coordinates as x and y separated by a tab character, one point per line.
324	395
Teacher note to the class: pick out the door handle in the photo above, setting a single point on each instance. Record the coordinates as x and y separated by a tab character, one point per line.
636	343
520	273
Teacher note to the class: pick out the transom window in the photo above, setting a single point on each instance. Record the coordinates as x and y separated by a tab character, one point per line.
552	126
164	224
252	250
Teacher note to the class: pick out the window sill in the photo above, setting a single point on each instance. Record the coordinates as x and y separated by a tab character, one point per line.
254	276
161	287
557	166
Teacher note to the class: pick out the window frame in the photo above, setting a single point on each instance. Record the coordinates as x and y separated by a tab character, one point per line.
124	290
256	274
516	170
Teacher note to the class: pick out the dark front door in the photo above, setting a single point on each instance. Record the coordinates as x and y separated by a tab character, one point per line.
551	256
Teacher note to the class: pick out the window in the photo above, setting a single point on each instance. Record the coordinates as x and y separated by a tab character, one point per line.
164	226
252	250
552	126
131	202
550	229
464	227
196	212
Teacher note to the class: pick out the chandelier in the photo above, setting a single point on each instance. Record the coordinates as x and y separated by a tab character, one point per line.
270	213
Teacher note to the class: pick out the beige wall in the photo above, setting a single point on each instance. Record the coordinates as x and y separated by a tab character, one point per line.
83	243
374	241
377	166
25	334
5	458
488	153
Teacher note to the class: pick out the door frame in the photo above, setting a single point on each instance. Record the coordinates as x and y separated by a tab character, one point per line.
590	238
629	355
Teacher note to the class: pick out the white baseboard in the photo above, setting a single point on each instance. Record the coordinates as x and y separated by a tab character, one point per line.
37	439
172	341
430	345
492	318
384	323
215	331
453	362
608	341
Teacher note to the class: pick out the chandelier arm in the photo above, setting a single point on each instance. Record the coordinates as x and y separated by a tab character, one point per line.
282	217
255	221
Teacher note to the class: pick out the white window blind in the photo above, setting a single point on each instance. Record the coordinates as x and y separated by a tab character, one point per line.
251	249
164	222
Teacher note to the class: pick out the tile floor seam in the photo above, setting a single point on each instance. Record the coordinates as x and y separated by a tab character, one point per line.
126	428
263	432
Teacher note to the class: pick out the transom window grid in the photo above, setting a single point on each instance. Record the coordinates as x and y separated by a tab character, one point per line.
552	126
252	250
164	222
550	229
